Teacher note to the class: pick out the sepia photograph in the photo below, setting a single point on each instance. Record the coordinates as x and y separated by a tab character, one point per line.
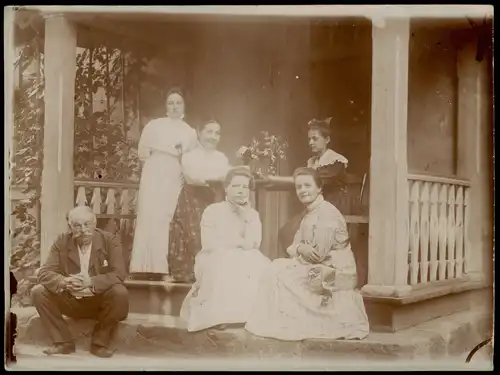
293	187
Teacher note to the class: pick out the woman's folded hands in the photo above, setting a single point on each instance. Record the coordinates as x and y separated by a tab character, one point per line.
309	253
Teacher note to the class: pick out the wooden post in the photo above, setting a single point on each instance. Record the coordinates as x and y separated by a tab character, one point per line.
473	162
389	205
57	174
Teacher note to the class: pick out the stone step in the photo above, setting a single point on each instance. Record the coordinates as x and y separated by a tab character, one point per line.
29	357
156	297
147	334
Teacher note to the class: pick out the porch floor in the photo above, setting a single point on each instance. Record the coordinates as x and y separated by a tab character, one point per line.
452	336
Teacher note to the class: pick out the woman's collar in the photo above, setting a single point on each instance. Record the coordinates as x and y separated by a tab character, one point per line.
240	206
317	202
325	153
176	120
206	149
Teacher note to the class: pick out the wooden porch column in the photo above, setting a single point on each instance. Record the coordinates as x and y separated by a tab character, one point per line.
473	153
57	174
388	226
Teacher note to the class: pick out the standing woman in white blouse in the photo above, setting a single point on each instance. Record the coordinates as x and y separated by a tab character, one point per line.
204	170
161	146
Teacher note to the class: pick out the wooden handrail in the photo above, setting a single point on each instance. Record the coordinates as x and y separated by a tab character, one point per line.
106	184
442	180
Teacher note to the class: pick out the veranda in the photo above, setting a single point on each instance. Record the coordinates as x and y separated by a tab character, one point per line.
411	107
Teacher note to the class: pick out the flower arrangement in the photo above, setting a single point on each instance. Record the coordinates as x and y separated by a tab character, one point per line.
266	150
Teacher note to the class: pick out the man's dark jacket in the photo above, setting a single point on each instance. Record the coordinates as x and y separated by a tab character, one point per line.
106	266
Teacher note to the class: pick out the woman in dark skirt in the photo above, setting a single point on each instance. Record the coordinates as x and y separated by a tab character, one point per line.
204	169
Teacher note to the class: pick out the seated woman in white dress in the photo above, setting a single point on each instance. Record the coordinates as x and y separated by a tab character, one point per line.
312	295
228	267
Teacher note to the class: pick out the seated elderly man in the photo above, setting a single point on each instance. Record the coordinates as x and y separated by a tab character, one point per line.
82	278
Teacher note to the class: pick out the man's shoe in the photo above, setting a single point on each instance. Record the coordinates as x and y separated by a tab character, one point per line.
61	348
101	351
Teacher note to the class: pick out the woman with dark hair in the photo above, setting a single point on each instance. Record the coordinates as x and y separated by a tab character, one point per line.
331	167
161	146
312	294
228	267
204	170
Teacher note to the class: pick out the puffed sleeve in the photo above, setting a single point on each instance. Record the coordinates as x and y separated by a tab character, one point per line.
337	271
331	235
190	140
143	148
192	169
336	245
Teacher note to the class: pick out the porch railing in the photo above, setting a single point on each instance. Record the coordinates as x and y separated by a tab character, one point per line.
438	223
114	200
114	204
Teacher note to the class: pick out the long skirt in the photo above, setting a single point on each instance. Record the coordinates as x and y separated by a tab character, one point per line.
161	183
287	309
226	285
185	233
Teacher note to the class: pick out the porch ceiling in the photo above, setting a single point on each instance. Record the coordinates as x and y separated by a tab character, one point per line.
181	34
164	28
196	12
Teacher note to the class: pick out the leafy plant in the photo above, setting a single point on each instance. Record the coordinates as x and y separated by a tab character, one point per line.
268	149
26	163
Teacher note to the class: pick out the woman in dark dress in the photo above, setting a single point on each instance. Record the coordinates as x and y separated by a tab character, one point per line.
204	169
332	170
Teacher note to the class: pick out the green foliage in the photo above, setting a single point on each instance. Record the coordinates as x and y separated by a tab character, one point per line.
27	163
102	149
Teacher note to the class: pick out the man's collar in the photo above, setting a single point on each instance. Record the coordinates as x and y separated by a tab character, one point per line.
96	242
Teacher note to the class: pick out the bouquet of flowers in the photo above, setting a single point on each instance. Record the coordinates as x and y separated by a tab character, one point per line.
267	149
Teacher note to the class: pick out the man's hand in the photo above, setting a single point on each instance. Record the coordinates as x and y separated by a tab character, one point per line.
309	253
79	282
65	283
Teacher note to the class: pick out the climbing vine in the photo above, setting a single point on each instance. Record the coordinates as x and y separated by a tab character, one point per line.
108	79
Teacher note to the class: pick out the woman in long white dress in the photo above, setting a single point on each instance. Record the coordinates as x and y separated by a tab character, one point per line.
313	294
163	142
228	267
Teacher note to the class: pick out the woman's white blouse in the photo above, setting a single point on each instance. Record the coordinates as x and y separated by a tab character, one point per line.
174	137
201	164
224	225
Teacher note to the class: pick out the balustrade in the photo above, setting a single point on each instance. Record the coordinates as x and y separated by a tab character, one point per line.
438	246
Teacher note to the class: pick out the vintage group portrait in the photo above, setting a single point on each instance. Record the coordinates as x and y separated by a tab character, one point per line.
249	187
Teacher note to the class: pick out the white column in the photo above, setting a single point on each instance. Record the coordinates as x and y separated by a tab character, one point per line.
388	230
473	154
57	174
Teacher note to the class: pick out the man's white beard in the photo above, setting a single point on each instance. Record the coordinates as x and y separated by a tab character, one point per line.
83	240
